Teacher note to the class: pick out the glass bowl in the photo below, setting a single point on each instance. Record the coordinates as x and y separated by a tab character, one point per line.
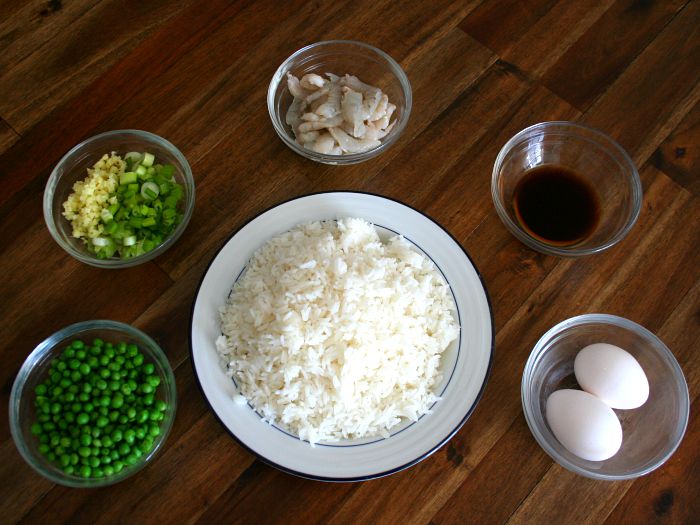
650	433
72	167
371	65
34	371
596	157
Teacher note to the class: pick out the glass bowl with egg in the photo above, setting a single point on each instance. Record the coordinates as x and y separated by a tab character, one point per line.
339	102
564	397
144	231
566	189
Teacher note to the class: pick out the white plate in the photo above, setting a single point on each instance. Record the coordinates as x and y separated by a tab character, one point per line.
466	364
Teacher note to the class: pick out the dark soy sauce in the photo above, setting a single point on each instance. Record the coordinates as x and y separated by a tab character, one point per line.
557	205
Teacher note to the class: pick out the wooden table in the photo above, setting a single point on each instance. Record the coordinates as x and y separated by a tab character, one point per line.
197	74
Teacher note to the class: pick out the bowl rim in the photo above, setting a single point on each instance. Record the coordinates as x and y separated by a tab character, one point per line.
48	198
352	158
607	319
576	129
47	345
382	474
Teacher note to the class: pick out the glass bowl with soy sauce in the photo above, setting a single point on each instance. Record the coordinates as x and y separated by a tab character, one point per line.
566	189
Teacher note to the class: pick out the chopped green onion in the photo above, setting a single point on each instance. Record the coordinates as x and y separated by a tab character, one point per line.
133	157
100	241
150	190
148	159
150	221
130	241
128	177
106	215
141	170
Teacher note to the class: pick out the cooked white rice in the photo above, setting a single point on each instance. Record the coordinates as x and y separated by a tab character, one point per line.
335	335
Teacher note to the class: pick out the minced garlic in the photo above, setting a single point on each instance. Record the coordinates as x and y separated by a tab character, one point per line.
93	194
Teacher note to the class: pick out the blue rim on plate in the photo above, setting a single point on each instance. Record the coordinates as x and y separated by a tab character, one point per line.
381	473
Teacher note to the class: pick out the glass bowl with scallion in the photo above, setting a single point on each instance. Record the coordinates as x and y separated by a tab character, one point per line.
119	198
92	404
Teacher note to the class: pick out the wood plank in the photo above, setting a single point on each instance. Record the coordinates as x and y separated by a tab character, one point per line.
679	154
79	118
603	52
26	488
655	92
265	495
669	495
481	498
65	64
8	136
551	32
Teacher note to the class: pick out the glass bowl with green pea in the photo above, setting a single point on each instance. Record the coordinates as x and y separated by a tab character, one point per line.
92	404
130	220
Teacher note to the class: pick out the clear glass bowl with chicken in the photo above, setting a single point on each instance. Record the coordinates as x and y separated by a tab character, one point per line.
339	102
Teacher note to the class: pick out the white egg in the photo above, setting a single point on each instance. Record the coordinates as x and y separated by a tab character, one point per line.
584	424
611	374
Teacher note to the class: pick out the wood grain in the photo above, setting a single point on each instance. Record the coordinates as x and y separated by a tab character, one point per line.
197	73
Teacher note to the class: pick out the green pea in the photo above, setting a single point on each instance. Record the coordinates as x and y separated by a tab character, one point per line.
148	369
140	433
109	352
103	411
88	407
105	459
78	344
117	436
121	419
94	462
44	438
74	459
118	466
65	442
83	397
108	470
154	430
86	440
107	442
97	443
40	390
85	471
64	460
96	432
117	401
125	389
48	426
44	448
75	376
148	399
69	352
51	456
84	451
84	369
74	364
98	473
97	342
36	429
143	416
82	418
57	391
129	436
131	413
124	449
103	360
131	459
69	469
102	421
80	354
154	381
114	385
138	360
114	454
